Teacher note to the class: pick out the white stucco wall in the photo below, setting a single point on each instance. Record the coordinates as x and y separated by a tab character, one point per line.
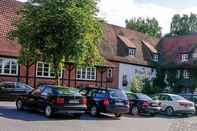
134	70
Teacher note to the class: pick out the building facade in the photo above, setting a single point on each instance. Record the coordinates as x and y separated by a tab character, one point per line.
178	55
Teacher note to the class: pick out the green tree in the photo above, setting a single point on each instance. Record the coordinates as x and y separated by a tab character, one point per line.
149	26
136	85
61	30
149	88
185	24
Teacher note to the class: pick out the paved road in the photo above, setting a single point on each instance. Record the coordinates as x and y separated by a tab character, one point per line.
11	120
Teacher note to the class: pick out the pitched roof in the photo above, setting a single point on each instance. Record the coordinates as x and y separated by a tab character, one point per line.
150	47
171	47
127	42
8	9
109	46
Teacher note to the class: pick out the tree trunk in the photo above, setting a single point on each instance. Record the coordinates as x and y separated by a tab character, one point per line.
56	71
27	75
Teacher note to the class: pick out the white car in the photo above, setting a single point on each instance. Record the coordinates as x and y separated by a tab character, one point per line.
174	104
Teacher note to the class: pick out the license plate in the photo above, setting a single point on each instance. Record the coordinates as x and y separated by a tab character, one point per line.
119	103
74	101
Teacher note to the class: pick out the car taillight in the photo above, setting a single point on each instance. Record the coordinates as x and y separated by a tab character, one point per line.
145	104
60	101
185	104
106	102
84	101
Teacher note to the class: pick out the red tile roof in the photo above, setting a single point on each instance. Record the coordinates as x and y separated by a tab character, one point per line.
109	46
127	42
172	47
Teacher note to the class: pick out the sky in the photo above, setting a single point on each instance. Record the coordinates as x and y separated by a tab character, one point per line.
117	11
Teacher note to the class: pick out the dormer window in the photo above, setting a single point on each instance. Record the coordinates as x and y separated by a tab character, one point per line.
155	57
132	52
186	74
185	57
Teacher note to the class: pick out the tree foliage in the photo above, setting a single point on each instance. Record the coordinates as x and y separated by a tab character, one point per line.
149	26
61	30
150	88
136	85
184	24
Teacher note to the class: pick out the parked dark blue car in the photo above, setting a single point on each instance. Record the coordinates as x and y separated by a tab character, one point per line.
112	101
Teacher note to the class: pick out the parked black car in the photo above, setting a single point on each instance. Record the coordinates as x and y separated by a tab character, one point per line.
9	91
52	100
142	104
112	101
191	97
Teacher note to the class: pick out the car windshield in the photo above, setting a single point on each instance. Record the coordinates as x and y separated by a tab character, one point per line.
143	97
176	97
118	94
68	91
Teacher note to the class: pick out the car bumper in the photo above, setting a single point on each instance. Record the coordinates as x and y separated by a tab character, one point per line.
118	109
190	111
70	109
152	110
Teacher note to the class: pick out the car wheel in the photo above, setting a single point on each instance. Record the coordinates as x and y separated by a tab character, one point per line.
94	111
169	111
134	110
118	115
48	111
19	105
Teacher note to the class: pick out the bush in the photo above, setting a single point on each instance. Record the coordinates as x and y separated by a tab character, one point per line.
149	88
136	85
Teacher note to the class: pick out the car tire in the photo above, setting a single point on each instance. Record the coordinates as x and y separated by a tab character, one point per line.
169	111
118	115
134	110
48	111
19	105
94	111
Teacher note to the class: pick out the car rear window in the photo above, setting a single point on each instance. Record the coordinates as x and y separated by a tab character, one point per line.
176	97
118	94
68	91
143	97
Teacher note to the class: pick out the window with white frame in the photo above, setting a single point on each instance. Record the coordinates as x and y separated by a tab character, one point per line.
178	74
86	73
155	57
186	74
184	57
46	70
8	66
109	73
132	52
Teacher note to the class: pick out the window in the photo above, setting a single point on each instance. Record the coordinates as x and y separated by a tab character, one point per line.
86	73
155	57
132	52
186	74
109	73
8	66
184	57
178	74
45	70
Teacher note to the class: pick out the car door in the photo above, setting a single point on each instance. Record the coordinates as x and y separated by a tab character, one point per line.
32	100
43	98
10	93
165	101
19	89
132	99
3	92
